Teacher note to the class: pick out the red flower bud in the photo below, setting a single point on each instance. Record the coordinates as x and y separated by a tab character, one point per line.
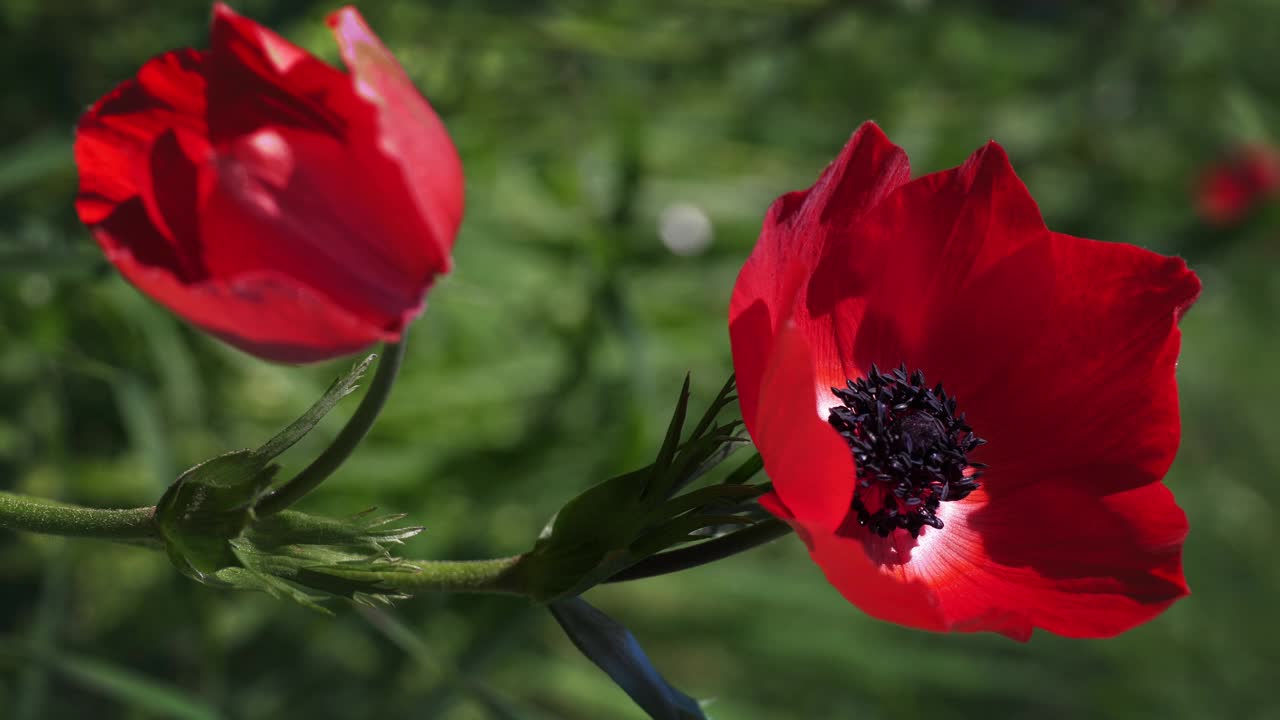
1230	189
293	210
966	417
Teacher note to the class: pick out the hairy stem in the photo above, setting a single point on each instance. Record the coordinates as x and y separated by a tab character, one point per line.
469	576
18	512
343	445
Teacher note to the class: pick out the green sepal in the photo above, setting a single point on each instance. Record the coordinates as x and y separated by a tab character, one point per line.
625	519
208	504
304	558
211	533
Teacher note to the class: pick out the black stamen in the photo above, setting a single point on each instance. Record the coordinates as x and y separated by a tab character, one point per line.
910	448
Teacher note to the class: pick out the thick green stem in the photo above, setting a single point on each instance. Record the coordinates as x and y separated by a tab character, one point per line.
705	552
44	516
468	576
343	445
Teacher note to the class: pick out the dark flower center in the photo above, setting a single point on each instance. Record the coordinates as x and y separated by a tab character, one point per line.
910	448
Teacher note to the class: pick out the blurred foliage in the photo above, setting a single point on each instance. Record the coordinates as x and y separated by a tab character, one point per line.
591	131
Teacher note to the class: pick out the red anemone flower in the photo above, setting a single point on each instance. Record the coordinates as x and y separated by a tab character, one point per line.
295	211
1229	190
965	416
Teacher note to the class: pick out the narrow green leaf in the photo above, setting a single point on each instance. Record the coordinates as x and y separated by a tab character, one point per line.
660	479
130	688
723	398
681	530
341	387
745	471
725	495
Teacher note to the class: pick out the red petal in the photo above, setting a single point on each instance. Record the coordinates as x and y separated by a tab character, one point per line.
283	201
264	314
801	229
339	128
1094	392
258	79
1059	558
410	133
114	152
881	591
933	259
809	464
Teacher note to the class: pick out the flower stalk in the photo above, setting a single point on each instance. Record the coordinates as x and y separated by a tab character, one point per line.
352	433
494	576
18	512
26	514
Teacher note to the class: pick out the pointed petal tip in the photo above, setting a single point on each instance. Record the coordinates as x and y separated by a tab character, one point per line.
1189	287
348	17
222	12
872	128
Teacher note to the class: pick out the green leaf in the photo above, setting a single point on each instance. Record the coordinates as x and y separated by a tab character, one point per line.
212	503
340	388
615	650
618	522
308	560
747	470
670	444
137	691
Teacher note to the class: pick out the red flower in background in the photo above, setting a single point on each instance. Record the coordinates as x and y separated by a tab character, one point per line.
1230	189
293	210
965	416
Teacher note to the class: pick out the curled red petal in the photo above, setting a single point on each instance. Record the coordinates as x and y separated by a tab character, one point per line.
258	79
410	133
115	139
809	464
264	314
281	200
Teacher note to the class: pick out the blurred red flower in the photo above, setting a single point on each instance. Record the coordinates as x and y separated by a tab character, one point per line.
293	210
1024	489
1229	190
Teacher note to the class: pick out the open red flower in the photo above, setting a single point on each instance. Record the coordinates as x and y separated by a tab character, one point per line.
296	211
965	416
1229	190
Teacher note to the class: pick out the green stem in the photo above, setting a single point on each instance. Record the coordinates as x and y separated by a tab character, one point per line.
705	552
343	445
18	512
467	576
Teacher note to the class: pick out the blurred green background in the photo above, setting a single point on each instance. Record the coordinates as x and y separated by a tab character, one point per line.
620	156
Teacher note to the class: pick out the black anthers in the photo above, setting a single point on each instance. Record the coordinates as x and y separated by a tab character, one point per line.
909	446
